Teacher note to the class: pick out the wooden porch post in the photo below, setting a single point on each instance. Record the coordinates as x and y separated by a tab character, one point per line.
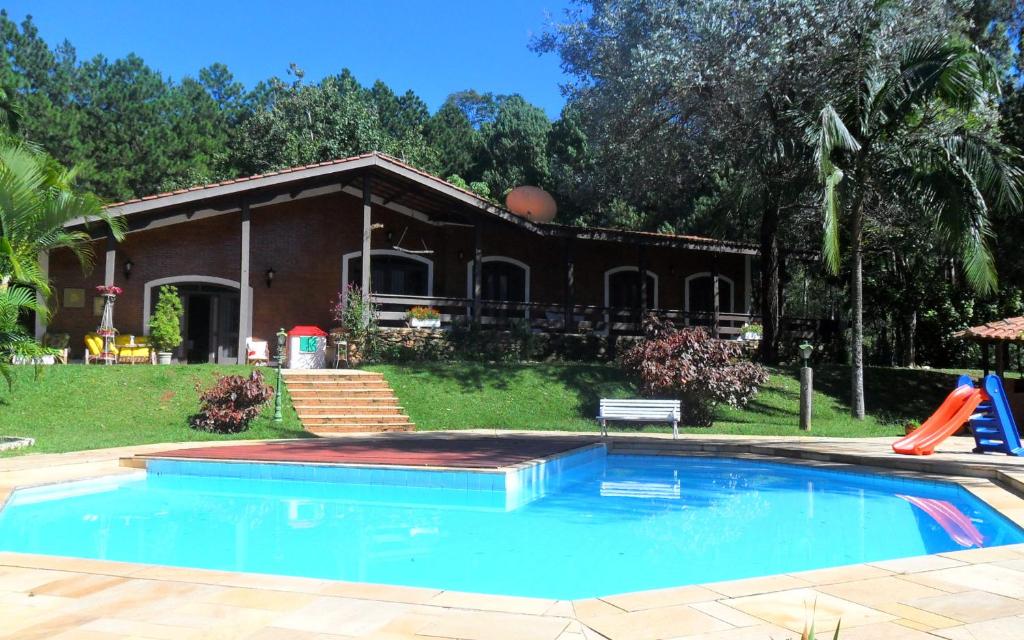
244	297
569	323
641	270
478	261
364	282
715	297
984	358
1000	358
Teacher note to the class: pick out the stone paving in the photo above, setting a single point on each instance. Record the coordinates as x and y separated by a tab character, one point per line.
958	596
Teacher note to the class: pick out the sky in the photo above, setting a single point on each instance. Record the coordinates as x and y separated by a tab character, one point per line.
434	47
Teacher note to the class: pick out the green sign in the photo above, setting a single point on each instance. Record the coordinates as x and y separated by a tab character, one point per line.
307	344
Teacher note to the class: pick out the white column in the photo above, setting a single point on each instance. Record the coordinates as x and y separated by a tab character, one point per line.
44	268
244	291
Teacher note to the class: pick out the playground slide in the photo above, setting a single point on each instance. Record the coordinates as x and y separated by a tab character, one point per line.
952	414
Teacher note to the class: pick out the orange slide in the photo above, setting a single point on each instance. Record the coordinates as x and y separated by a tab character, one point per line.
947	420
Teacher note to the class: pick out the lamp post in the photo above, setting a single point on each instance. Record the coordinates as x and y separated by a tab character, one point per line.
806	386
281	337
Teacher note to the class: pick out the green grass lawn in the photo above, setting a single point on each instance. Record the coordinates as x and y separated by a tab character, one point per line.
78	407
556	396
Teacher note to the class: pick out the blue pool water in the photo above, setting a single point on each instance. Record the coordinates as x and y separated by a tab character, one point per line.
617	523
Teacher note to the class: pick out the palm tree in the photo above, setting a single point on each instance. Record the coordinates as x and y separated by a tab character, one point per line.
14	340
906	127
37	200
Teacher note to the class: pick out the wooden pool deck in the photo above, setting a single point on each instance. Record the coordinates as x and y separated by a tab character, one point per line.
407	450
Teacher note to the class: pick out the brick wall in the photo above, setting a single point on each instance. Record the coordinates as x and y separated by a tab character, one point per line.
304	241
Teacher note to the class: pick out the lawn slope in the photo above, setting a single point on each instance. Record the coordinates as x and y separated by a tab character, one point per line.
76	407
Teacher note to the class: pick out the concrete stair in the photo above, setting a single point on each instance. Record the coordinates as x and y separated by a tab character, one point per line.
345	401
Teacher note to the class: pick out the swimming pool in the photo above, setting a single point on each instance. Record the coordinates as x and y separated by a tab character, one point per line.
609	524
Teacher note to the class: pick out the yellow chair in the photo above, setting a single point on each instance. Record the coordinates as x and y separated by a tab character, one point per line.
133	349
94	348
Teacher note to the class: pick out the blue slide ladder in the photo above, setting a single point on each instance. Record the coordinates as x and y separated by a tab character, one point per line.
993	426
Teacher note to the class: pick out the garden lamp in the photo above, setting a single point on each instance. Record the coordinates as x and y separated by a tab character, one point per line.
806	385
806	349
282	335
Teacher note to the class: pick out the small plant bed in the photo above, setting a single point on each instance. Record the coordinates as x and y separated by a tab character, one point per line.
71	408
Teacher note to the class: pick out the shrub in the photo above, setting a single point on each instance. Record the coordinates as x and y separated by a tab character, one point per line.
348	312
165	325
687	363
232	403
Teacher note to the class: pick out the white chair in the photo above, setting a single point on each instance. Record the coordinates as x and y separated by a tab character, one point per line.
257	351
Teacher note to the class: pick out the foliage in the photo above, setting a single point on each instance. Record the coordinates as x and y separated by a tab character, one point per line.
15	341
231	404
165	323
424	313
39	197
687	363
358	319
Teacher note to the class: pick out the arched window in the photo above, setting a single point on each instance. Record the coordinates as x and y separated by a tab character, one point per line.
622	288
699	297
392	273
501	278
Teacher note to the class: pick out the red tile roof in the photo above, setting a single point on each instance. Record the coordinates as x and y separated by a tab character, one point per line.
387	159
1010	329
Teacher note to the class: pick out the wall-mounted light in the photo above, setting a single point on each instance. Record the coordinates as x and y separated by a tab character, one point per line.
128	265
391	235
270	276
462	256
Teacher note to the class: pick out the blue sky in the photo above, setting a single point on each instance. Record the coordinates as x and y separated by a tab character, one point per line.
433	47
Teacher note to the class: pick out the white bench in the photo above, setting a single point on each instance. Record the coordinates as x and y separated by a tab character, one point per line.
639	410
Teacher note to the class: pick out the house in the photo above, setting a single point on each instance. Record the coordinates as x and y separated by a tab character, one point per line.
255	254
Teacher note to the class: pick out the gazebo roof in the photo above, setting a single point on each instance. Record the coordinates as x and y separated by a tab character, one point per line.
1005	330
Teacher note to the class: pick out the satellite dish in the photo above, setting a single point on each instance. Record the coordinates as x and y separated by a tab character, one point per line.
532	203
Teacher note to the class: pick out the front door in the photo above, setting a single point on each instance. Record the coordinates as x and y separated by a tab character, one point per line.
210	324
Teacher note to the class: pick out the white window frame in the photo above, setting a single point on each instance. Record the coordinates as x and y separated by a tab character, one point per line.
147	295
708	274
519	263
608	280
389	252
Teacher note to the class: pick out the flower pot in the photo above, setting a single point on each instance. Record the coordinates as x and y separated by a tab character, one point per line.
163	357
750	335
426	323
909	428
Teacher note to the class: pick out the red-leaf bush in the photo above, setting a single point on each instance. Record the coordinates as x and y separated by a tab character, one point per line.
690	365
232	403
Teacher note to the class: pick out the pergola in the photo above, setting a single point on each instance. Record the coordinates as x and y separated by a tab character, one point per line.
998	333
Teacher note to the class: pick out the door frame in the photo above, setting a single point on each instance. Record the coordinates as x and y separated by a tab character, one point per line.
147	296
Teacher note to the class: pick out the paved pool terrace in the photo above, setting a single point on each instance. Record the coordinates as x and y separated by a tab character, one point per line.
960	595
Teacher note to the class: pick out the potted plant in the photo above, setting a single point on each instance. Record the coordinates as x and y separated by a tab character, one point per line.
424	318
910	427
165	325
751	331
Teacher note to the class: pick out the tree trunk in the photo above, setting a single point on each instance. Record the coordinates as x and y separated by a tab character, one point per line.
857	309
770	314
910	349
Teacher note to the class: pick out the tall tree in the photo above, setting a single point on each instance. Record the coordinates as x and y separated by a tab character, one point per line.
904	124
516	146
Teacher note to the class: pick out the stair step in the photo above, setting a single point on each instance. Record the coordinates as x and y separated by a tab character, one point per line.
341	424
345	402
347	411
378	392
325	430
355	417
